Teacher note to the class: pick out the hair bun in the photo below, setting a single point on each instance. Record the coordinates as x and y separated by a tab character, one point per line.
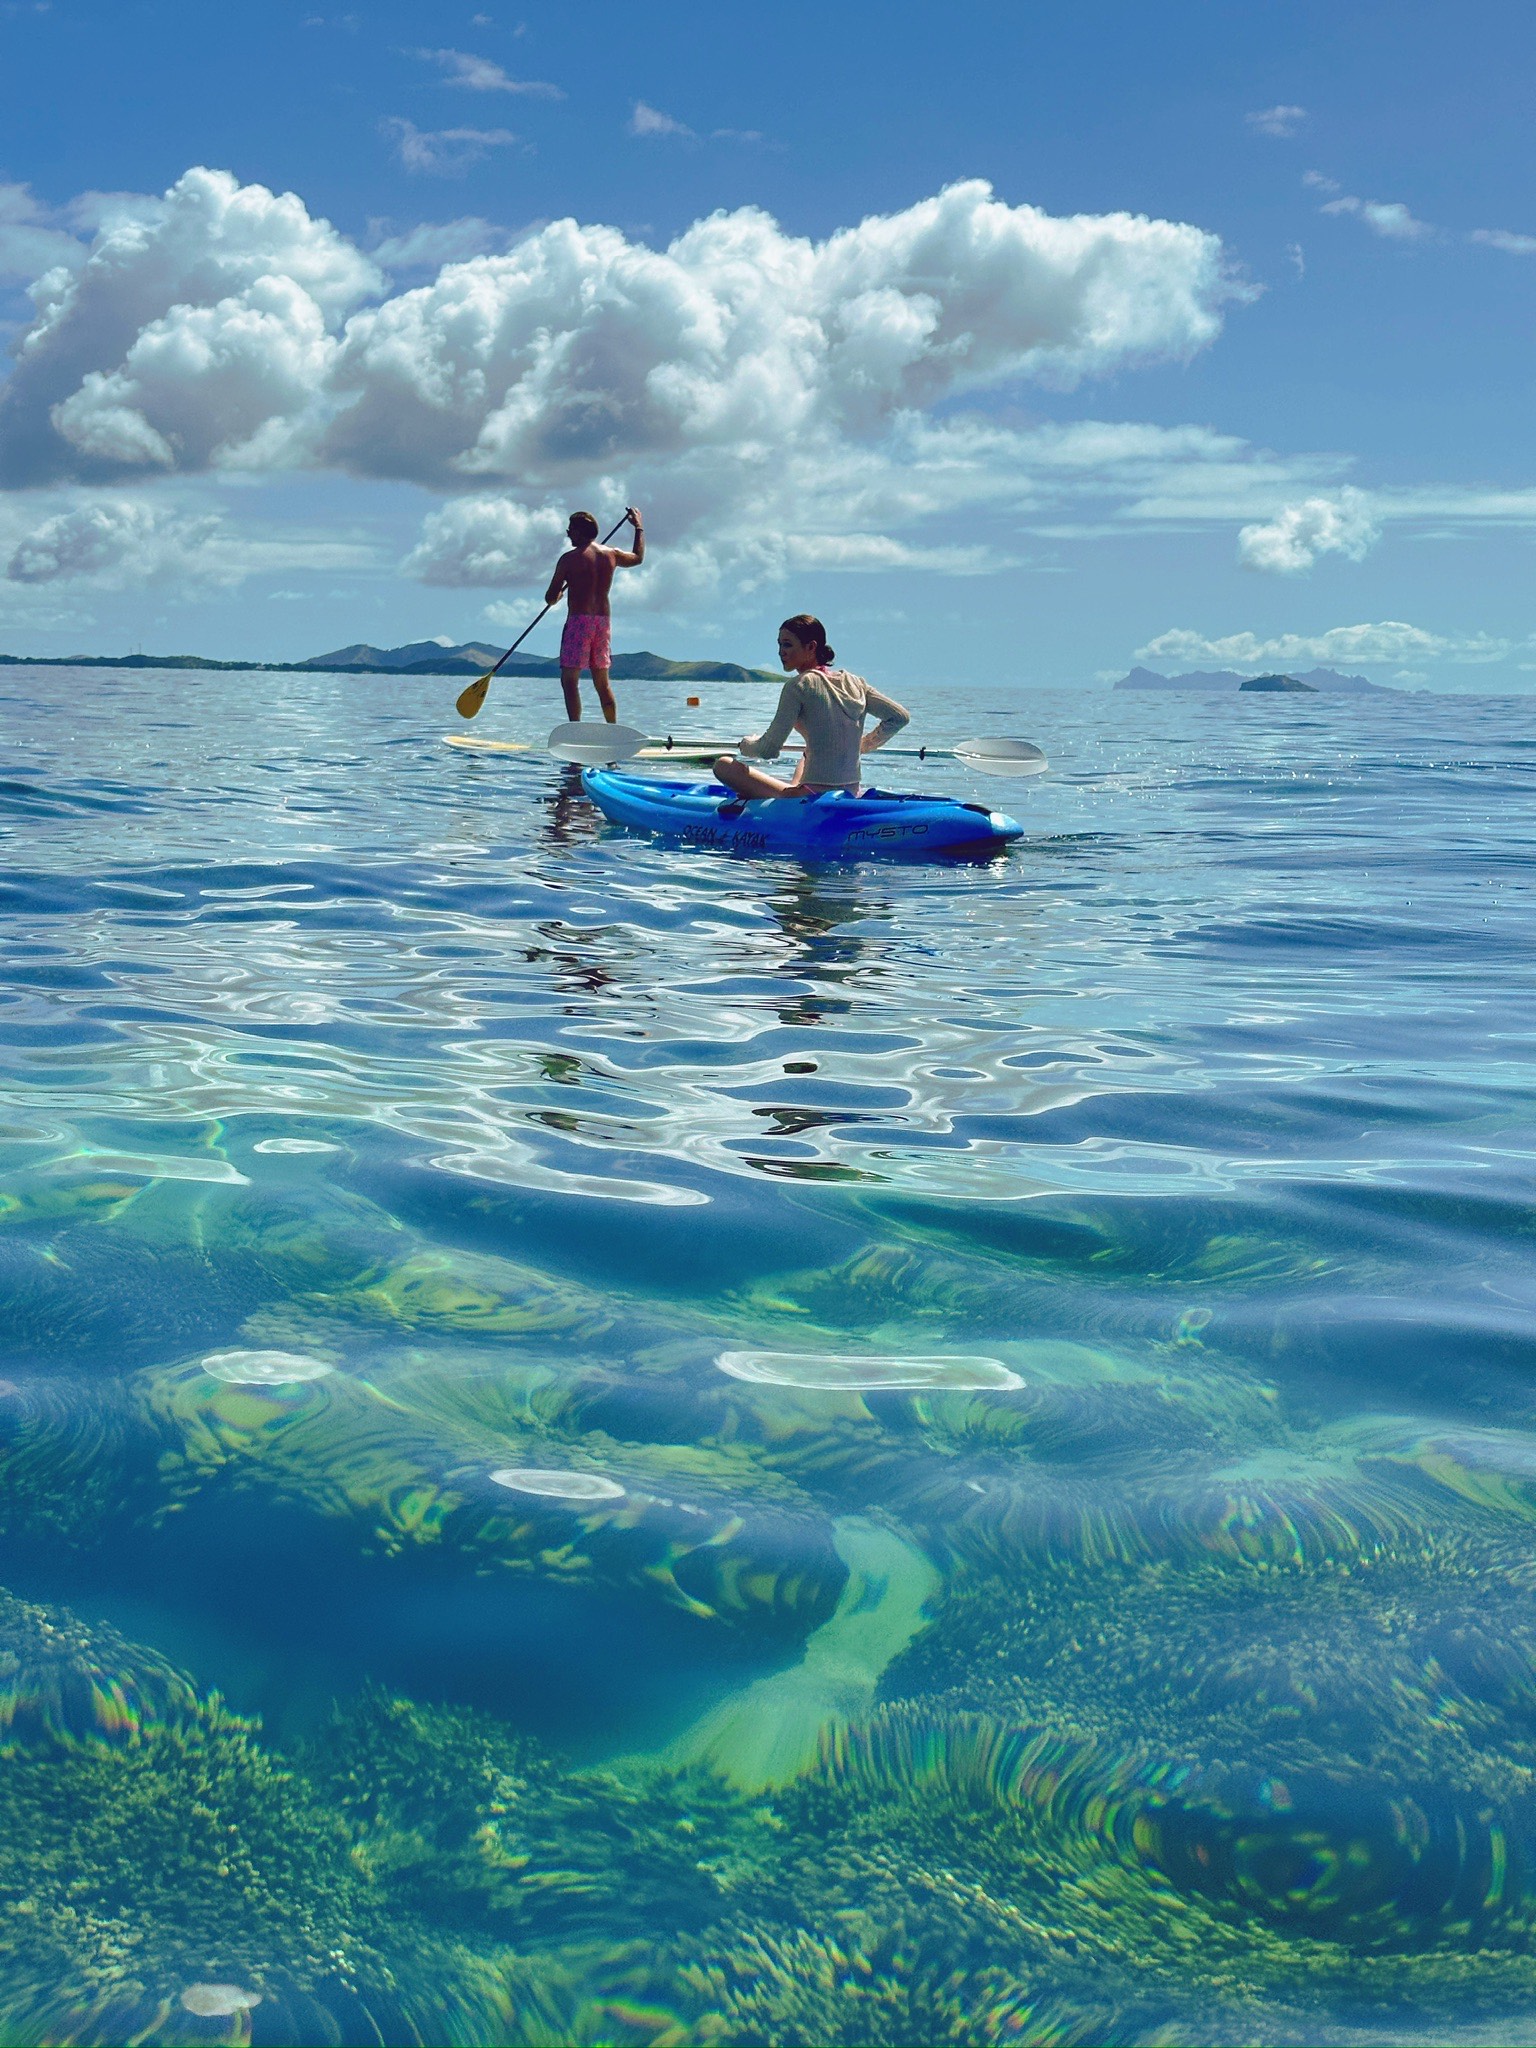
828	653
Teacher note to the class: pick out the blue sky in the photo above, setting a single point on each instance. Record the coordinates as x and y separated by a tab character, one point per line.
339	311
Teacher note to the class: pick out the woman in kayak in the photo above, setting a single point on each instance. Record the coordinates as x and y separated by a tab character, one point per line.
827	706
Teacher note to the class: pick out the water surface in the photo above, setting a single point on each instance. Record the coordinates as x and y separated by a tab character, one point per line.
604	1443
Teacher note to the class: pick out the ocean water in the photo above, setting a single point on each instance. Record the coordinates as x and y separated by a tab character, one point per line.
601	1443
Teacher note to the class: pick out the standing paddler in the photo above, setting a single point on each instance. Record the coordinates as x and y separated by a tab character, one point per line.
585	573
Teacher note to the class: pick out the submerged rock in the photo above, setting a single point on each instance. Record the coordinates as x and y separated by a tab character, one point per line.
218	2001
838	1371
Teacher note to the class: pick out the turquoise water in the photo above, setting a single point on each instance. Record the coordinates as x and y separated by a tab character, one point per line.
606	1444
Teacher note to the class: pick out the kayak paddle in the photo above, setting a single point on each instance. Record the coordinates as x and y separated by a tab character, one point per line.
596	746
469	700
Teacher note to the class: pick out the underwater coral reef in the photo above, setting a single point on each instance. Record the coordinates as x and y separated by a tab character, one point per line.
418	1646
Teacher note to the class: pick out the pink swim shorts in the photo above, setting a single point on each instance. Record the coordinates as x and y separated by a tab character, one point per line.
587	641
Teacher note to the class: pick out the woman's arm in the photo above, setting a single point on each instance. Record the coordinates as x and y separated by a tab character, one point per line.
770	743
891	716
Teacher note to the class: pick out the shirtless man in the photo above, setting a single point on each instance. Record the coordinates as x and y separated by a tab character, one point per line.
585	572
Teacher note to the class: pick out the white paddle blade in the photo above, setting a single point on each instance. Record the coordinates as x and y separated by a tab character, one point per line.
595	744
1002	757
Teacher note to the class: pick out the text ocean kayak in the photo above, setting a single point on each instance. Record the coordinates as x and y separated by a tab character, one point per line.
833	826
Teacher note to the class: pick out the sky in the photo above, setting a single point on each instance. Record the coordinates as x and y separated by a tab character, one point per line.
1022	341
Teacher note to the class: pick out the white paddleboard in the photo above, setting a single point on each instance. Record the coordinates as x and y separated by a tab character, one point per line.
658	750
473	745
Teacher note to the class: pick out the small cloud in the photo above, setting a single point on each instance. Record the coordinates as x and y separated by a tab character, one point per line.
480	74
1388	642
1298	534
430	246
1278	121
1388	218
647	120
1501	238
1298	257
751	135
1319	183
117	542
443	152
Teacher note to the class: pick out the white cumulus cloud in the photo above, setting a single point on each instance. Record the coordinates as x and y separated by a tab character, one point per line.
196	321
206	385
116	541
580	348
488	543
1298	534
737	379
1371	646
210	328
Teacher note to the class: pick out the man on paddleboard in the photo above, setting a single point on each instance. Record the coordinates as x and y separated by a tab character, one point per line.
585	573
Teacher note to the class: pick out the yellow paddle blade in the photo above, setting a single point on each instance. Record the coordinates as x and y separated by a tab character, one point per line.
469	700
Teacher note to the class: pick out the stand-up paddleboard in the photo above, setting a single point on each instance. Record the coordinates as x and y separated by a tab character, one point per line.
471	743
653	750
831	826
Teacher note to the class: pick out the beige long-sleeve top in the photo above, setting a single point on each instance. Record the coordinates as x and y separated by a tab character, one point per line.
829	706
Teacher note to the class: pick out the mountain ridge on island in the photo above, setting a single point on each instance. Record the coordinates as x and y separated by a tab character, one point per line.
471	657
416	658
1328	680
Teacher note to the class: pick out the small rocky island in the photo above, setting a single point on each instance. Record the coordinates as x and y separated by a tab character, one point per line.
1326	680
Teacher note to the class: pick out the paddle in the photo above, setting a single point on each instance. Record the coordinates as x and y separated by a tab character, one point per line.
469	700
596	745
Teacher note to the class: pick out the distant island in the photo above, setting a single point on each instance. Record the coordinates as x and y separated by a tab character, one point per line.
418	658
1328	680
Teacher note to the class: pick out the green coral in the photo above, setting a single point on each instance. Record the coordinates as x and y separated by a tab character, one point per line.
475	1828
150	1843
946	1878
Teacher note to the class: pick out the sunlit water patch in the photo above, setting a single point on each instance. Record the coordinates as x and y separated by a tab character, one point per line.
602	1443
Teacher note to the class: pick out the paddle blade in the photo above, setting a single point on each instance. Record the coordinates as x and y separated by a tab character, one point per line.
594	744
1002	757
469	700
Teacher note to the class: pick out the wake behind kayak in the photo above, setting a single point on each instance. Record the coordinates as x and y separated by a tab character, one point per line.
831	826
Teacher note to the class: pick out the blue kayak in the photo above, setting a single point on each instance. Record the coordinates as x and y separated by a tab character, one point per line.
832	826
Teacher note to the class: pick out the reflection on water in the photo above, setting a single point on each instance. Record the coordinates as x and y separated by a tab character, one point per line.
607	1444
